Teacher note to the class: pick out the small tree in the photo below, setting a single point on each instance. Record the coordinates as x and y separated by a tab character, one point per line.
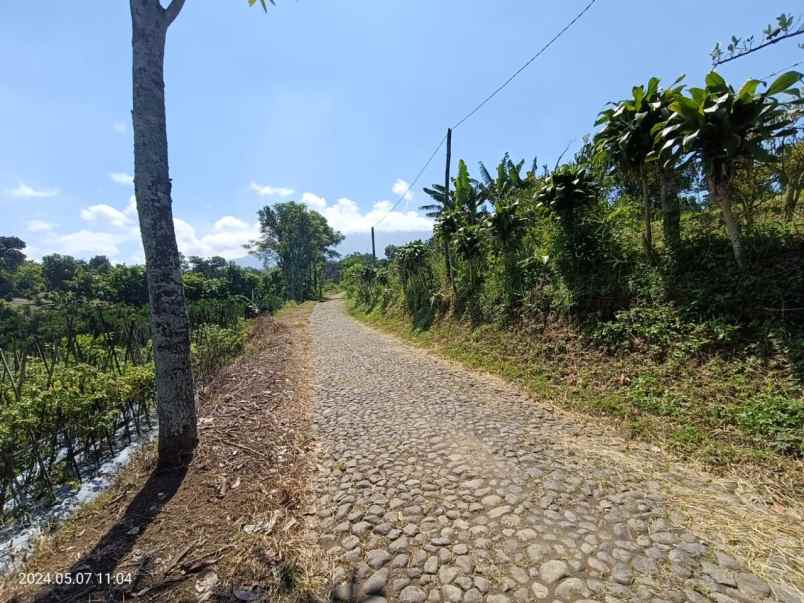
724	130
299	240
508	180
11	255
571	195
506	226
626	142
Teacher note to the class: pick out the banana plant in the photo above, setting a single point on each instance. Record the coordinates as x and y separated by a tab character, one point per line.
725	129
626	142
468	197
441	201
508	180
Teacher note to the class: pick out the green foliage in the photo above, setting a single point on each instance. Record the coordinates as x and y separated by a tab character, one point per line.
413	264
76	374
626	140
263	3
214	346
775	419
699	345
568	191
11	256
773	33
58	269
300	241
721	126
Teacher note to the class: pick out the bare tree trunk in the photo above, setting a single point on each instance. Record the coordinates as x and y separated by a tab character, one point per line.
175	392
671	214
720	193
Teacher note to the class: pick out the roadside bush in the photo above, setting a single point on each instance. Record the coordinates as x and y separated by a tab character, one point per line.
214	345
776	419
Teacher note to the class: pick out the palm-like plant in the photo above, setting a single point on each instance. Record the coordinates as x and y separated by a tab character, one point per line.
441	201
468	243
468	198
725	129
508	180
626	142
567	191
506	226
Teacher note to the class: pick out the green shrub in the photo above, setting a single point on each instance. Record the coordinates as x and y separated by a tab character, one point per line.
777	419
214	346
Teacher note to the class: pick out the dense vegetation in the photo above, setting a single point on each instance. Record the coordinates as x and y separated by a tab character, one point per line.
300	241
76	356
658	276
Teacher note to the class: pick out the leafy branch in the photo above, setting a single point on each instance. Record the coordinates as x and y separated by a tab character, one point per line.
263	3
783	29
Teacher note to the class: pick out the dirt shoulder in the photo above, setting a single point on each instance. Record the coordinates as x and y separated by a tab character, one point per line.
229	527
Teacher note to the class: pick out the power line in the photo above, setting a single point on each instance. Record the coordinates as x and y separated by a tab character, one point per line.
413	183
783	70
480	105
526	65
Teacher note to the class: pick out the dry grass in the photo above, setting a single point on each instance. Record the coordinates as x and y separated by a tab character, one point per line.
744	513
232	523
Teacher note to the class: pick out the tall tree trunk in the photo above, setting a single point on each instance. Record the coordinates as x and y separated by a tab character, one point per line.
175	393
720	193
647	216
671	213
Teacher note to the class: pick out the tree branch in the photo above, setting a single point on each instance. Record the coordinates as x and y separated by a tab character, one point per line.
172	11
798	32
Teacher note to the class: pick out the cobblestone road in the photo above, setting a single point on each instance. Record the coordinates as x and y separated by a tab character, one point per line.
440	484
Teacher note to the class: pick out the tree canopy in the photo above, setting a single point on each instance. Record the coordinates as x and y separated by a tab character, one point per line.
299	240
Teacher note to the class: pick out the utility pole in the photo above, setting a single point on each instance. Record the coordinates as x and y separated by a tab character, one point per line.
373	250
447	259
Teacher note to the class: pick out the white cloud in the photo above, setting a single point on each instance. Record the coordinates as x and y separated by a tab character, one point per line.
346	216
402	188
230	222
87	242
120	127
270	191
115	233
38	226
108	214
122	178
314	201
228	236
25	191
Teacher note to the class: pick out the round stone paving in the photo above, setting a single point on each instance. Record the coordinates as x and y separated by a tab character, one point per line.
439	484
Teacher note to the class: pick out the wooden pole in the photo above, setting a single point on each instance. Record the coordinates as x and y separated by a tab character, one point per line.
373	250
447	259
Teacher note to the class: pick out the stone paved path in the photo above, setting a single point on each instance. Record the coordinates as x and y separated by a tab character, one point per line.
440	484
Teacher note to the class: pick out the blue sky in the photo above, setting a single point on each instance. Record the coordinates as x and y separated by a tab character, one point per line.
335	100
